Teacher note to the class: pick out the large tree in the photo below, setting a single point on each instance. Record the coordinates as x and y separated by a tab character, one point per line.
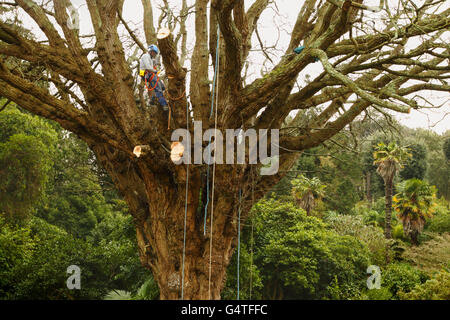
389	159
91	92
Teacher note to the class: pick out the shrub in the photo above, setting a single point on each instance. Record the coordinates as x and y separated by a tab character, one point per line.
401	277
372	236
397	232
433	255
299	257
440	222
16	247
437	288
378	294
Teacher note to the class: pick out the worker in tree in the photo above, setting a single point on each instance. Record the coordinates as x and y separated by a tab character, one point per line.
150	65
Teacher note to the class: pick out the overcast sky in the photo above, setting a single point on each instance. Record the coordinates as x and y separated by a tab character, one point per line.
274	26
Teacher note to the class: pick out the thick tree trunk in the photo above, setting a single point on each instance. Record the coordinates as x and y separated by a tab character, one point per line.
157	204
205	262
164	254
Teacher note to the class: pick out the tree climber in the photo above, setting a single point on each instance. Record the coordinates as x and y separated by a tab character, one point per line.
150	65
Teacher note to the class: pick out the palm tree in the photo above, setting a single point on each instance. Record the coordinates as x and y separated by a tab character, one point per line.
415	203
306	191
389	159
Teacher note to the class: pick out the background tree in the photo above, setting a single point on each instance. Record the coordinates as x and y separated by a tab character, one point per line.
90	91
416	166
389	159
447	148
307	192
415	203
26	145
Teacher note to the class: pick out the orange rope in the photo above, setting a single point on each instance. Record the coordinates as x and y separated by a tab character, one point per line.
170	113
175	99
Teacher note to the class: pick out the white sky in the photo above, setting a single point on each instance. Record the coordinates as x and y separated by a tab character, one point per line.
274	26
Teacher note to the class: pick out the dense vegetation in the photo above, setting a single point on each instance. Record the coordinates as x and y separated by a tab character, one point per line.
312	237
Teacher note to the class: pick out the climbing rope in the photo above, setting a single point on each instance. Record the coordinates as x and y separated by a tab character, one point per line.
239	240
251	236
216	71
170	115
177	98
185	208
169	97
212	107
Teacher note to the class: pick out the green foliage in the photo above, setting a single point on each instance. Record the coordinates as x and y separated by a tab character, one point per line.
52	174
416	166
75	199
301	258
13	121
303	185
401	277
249	277
370	235
307	191
414	202
148	291
438	173
118	295
24	163
36	266
116	237
16	247
446	148
397	232
389	159
378	294
43	274
440	222
26	145
437	288
432	255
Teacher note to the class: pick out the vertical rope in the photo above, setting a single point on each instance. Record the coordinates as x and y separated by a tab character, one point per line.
239	241
207	196
216	71
251	237
214	164
185	208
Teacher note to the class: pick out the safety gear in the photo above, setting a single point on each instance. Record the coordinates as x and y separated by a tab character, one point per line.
153	47
157	86
299	49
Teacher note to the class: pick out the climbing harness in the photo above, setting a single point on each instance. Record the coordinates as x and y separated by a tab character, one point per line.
150	81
